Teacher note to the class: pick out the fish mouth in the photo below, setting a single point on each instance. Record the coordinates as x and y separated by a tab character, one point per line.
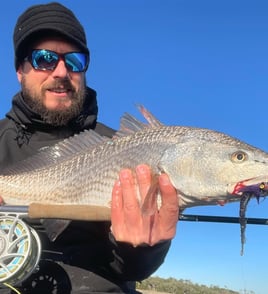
257	187
247	189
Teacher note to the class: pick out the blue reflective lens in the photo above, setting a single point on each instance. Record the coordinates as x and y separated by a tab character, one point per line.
75	61
43	59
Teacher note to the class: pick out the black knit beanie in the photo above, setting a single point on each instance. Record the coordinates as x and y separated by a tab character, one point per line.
42	20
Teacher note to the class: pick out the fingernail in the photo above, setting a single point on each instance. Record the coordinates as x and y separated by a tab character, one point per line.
164	179
125	175
142	169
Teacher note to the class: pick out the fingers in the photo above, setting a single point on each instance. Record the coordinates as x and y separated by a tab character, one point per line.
117	202
147	188
168	191
169	211
131	193
144	179
128	186
125	209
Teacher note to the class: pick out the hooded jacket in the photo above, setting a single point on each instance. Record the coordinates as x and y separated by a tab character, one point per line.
85	258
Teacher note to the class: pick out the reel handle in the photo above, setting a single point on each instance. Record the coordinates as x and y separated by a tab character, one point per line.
68	211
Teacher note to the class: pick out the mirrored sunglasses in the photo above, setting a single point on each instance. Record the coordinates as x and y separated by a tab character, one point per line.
42	59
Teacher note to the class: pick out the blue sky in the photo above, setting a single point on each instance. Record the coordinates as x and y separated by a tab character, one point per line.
191	62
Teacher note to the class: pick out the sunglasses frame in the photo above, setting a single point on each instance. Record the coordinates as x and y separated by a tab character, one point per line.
61	56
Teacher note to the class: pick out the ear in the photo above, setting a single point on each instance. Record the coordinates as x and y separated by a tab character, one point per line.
19	73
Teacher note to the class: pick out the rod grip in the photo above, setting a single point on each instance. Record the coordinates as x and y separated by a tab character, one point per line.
70	212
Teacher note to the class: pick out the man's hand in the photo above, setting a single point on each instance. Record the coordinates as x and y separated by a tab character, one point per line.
138	222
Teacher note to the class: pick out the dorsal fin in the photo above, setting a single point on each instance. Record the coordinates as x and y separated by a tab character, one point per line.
152	120
129	124
59	152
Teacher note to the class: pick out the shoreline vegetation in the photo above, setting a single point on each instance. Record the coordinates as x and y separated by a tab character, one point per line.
157	285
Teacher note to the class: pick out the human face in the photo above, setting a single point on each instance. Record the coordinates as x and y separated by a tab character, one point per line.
57	95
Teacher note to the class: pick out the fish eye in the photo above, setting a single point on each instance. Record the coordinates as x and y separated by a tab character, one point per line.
239	156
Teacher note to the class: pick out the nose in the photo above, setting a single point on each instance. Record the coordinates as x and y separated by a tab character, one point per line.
60	70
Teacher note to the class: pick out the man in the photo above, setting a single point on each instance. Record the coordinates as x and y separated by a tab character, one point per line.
51	58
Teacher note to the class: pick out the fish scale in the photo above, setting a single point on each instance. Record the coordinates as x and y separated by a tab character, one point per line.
60	180
83	169
205	166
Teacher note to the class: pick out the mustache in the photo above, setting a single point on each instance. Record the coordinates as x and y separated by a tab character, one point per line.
60	84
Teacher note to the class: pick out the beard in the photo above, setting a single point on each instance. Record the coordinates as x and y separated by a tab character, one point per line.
54	117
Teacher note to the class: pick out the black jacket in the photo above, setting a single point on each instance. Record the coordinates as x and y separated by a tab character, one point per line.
85	258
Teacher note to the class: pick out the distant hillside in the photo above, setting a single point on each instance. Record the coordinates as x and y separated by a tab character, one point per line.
155	285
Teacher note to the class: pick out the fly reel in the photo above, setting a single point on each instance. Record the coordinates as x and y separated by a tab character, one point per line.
20	249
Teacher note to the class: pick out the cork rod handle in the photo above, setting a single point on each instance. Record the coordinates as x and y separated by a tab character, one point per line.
72	212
